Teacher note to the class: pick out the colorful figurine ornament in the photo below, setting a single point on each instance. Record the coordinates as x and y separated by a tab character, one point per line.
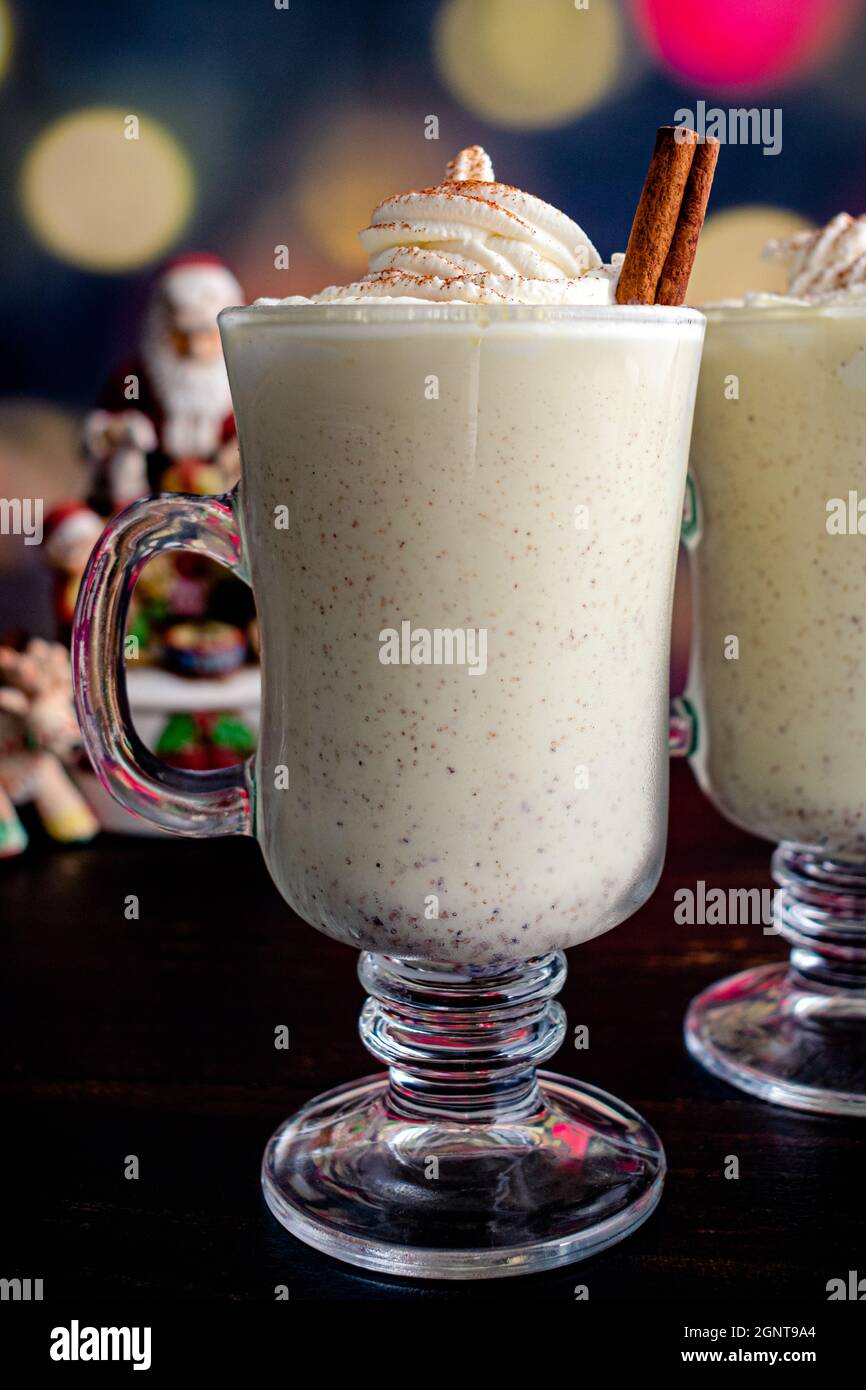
38	734
71	532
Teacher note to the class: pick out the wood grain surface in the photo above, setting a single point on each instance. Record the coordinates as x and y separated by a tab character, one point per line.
155	1038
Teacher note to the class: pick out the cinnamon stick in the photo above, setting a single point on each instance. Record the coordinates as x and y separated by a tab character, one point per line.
656	217
674	279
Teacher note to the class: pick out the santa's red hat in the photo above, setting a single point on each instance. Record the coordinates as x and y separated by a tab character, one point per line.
68	524
193	288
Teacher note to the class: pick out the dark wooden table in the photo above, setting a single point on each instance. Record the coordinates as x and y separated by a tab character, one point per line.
154	1038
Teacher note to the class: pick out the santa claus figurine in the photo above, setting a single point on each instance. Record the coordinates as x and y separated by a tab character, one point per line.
171	407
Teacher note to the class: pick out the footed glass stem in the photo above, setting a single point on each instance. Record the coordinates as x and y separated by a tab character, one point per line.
795	1033
462	1161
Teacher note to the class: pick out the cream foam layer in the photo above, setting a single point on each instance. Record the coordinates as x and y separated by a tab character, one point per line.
472	240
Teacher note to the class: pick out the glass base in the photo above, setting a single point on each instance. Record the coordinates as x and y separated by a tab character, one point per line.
772	1034
440	1199
795	1033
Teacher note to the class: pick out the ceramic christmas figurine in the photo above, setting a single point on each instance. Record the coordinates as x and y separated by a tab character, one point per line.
204	649
198	742
38	734
177	385
71	531
165	424
117	446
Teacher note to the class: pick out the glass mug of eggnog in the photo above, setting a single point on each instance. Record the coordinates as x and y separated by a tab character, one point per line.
460	503
778	673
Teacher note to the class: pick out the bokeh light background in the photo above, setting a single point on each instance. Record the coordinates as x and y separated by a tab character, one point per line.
262	125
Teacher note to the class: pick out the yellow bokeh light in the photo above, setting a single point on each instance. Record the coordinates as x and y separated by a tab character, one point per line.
360	158
334	216
5	38
729	263
528	65
100	198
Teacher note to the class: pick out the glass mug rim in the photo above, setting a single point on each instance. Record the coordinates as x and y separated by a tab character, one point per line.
273	313
775	313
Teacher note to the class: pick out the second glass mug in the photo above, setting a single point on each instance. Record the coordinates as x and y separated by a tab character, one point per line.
461	527
780	726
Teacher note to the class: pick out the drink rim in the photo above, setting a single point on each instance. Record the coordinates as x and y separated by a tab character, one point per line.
480	315
781	310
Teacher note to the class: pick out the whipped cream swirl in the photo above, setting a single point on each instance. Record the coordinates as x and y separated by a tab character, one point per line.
826	268
828	261
472	240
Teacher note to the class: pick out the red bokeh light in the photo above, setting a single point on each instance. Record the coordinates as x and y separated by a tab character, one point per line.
734	44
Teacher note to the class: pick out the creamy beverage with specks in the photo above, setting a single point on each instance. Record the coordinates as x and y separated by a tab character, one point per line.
462	487
778	674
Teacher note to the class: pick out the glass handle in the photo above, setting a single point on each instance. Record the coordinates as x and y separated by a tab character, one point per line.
683	721
219	802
